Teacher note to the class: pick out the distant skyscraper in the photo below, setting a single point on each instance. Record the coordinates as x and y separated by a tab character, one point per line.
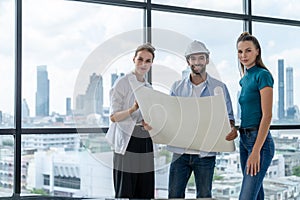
42	92
0	117
68	106
80	102
280	89
93	100
25	109
289	87
290	107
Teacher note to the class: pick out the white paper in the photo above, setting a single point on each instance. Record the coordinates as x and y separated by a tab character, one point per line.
187	122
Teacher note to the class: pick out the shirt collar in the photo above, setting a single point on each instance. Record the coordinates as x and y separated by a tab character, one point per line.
146	83
206	82
252	69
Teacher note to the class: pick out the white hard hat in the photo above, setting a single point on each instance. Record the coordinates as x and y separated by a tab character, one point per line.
196	47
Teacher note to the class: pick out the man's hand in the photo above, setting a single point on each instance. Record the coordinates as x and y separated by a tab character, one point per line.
232	135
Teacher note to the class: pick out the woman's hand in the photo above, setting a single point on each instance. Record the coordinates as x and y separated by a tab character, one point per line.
147	127
253	163
121	115
134	107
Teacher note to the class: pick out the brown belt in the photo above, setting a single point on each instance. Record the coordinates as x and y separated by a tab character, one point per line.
247	130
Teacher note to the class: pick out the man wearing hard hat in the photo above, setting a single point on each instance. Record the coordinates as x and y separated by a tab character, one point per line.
185	161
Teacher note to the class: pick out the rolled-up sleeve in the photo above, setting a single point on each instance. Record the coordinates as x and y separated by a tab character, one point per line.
228	103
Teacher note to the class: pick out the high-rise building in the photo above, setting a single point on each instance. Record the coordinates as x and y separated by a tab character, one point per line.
25	109
291	110
68	106
42	92
80	103
280	89
289	87
93	100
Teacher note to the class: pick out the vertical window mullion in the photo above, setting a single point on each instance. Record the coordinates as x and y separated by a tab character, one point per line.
147	36
18	98
247	7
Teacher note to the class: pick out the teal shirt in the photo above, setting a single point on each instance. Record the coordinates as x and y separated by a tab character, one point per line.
255	79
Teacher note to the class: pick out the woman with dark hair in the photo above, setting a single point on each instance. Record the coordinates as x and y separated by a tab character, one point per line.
256	100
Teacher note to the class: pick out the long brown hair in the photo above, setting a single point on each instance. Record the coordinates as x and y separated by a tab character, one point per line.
245	36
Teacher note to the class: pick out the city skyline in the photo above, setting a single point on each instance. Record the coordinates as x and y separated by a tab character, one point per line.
87	103
64	58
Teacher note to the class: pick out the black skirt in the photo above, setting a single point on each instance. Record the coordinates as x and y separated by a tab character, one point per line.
134	171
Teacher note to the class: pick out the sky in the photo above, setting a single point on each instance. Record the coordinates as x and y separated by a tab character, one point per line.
63	35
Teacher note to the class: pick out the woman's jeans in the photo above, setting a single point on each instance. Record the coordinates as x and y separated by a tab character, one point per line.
252	186
180	171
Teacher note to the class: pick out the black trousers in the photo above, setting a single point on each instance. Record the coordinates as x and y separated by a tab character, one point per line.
134	171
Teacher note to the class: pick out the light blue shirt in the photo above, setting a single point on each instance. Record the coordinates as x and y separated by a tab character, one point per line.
184	88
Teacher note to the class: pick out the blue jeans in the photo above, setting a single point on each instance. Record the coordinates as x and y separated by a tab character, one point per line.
252	186
180	171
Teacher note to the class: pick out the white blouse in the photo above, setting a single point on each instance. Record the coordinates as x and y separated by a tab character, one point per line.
122	98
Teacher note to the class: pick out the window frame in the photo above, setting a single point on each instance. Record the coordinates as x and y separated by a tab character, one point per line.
147	6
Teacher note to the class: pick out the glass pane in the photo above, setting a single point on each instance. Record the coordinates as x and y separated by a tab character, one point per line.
7	165
171	39
280	53
233	6
7	62
288	9
223	61
50	163
75	165
58	165
283	171
59	38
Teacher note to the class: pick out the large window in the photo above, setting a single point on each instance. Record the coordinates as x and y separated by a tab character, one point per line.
52	128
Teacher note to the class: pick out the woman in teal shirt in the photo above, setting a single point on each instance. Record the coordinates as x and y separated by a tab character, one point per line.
256	100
